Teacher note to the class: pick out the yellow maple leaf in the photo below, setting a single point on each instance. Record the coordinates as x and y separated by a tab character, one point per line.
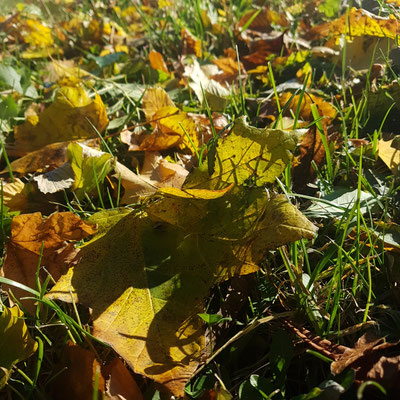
69	117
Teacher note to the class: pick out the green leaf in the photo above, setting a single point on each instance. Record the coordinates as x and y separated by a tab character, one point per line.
330	7
8	108
211	319
89	166
247	156
13	79
15	342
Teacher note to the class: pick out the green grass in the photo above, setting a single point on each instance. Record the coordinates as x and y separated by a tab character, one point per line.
335	285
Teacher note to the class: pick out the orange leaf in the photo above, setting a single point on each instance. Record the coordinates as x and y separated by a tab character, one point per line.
190	44
325	108
157	62
28	232
78	370
119	382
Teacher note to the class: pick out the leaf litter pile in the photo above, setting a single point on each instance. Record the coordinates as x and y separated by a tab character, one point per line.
199	199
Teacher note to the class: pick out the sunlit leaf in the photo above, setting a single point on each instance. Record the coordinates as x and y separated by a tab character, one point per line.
148	309
16	343
89	171
357	22
72	115
173	128
247	154
28	232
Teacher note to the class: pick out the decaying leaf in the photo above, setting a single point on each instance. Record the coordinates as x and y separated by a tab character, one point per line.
325	109
172	127
75	375
16	343
153	100
69	117
157	62
148	310
206	88
28	232
49	157
135	186
372	359
247	154
260	20
161	172
190	44
389	155
119	382
14	195
56	180
357	22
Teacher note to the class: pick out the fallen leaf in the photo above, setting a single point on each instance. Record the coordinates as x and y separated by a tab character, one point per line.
357	22
162	173
190	44
49	157
148	310
119	382
28	232
14	195
172	127
65	70
206	88
157	62
89	166
311	150
16	343
260	20
69	117
230	70
247	154
155	99
389	155
326	109
56	180
135	186
372	359
76	374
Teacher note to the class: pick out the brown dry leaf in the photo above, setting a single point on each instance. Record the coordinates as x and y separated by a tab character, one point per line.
157	61
135	186
28	232
172	129
78	370
262	22
52	156
360	23
389	155
49	157
69	117
204	124
119	382
162	173
190	44
372	359
311	149
230	70
325	109
260	49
